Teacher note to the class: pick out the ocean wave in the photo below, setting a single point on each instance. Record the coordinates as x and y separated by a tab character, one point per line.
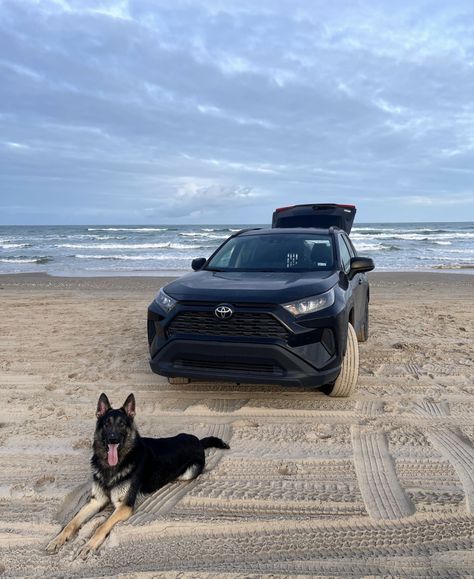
362	231
25	259
220	229
443	258
105	237
128	229
132	246
415	236
361	247
465	250
91	236
401	230
10	245
203	235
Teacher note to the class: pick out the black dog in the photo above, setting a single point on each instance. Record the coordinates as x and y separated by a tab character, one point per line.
125	465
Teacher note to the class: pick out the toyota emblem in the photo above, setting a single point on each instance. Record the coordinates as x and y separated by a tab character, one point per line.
223	312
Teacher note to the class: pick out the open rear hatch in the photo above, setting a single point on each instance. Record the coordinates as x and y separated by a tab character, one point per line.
323	215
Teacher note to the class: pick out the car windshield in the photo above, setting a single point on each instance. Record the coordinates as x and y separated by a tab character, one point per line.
275	252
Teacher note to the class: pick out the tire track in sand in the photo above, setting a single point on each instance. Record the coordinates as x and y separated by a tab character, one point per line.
452	445
305	547
381	490
460	453
430	409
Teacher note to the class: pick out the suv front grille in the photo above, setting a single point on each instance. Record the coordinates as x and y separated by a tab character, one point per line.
247	324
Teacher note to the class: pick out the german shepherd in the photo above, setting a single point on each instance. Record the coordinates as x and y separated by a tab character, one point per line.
125	465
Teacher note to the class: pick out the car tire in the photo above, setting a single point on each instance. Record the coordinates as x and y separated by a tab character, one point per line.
179	380
363	333
346	382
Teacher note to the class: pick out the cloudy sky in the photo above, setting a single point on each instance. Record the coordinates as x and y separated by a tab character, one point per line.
150	111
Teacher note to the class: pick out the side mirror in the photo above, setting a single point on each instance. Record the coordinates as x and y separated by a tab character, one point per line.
197	263
360	265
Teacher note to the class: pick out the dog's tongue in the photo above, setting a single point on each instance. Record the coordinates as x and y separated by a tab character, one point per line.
112	454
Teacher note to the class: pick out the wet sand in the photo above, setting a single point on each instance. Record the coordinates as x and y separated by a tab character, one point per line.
378	484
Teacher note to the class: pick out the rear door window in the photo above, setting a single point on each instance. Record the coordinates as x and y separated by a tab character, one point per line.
350	247
344	253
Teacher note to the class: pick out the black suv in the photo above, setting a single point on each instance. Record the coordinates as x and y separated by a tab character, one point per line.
285	305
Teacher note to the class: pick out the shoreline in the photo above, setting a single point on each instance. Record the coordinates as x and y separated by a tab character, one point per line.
467	269
173	274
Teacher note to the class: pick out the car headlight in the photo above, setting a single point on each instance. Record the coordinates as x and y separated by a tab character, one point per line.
311	304
165	301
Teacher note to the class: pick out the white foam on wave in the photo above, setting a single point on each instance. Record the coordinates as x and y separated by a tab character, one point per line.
425	230
375	247
466	250
14	245
445	258
136	229
200	234
214	229
37	259
415	236
95	236
104	237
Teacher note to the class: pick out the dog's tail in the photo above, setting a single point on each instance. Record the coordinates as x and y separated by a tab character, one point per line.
213	442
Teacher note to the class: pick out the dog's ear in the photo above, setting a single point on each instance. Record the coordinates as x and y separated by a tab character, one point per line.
129	406
103	405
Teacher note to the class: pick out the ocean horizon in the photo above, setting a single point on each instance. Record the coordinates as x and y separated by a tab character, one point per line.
104	250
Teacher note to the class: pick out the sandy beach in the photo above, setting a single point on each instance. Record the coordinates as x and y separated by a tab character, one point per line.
379	484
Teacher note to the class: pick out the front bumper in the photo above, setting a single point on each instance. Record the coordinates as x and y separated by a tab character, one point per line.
238	362
309	353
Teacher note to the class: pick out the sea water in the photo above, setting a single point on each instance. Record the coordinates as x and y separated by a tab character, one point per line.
158	249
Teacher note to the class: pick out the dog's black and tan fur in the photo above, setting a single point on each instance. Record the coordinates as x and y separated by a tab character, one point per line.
125	465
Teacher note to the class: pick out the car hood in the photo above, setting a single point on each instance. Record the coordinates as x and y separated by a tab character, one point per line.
262	287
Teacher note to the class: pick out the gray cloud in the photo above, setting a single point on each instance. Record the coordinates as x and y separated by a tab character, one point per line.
149	111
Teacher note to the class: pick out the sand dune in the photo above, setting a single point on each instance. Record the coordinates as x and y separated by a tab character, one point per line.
378	484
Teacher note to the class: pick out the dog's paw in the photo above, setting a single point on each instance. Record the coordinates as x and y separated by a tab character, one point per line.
64	536
53	546
86	551
83	552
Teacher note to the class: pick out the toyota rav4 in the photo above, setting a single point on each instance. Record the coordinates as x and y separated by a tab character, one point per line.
285	305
